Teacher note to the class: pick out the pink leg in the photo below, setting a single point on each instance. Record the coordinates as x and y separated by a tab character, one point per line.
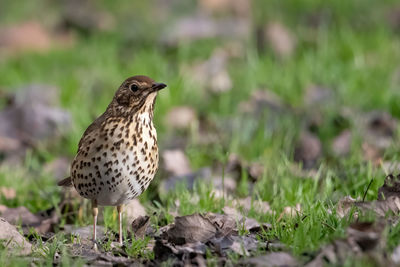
119	208
95	211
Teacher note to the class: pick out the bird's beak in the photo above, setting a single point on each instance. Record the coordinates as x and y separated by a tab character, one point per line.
158	86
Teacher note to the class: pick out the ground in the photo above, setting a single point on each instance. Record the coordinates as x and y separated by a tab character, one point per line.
291	105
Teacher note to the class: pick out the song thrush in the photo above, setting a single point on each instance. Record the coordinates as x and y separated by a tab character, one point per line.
118	155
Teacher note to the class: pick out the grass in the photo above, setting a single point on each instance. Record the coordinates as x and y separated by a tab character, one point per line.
355	55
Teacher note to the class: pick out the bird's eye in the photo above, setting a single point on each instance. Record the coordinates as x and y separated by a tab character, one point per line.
133	87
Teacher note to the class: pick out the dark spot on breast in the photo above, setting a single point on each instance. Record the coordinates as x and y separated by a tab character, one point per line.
134	140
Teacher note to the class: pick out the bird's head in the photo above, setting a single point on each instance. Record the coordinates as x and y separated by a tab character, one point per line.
136	93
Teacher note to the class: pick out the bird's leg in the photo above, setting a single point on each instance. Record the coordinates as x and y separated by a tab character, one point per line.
95	211
119	209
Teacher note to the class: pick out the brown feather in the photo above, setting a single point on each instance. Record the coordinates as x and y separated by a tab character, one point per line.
65	182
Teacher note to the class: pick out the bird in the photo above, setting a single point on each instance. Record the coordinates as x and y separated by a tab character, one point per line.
117	155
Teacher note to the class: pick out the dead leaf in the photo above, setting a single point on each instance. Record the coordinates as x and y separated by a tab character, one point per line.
380	129
228	184
212	74
248	203
290	211
133	210
341	145
140	225
240	8
317	95
13	240
393	17
85	16
191	229
273	259
381	207
372	153
28	36
390	188
344	206
390	166
201	26
163	250
8	193
181	117
245	223
33	117
241	245
396	255
3	208
236	166
8	144
256	170
280	39
176	162
308	150
27	219
192	235
364	236
260	100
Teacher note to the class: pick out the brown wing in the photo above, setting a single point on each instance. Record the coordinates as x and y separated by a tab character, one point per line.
65	182
95	126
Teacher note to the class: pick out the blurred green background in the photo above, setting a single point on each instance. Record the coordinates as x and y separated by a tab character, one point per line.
325	67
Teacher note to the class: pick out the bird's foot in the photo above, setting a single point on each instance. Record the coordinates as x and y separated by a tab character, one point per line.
95	246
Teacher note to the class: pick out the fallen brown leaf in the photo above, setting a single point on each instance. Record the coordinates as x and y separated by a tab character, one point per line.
341	145
193	234
380	129
308	150
212	74
140	225
363	238
176	162
202	26
28	36
8	193
236	166
27	219
280	39
191	229
261	100
390	188
237	7
396	255
344	206
275	259
290	211
85	16
32	117
317	96
133	210
13	240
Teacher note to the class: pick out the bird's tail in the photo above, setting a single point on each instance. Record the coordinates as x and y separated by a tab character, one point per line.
65	182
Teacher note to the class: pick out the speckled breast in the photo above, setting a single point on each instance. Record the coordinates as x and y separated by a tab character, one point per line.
119	161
